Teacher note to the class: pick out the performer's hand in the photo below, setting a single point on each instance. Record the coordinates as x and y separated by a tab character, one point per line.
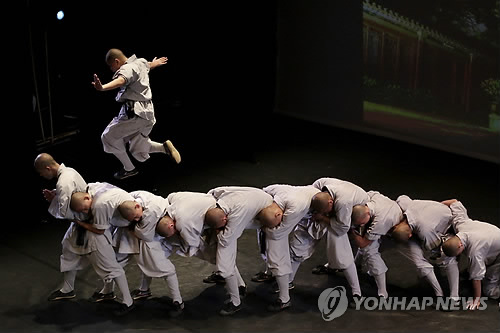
449	202
97	83
158	61
473	305
49	195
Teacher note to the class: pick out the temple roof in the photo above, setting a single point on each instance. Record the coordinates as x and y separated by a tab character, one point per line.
387	15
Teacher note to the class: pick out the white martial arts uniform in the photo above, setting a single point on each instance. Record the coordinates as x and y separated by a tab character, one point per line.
69	181
385	214
481	246
188	210
429	221
308	233
241	205
105	200
295	201
151	257
142	243
346	195
135	130
305	237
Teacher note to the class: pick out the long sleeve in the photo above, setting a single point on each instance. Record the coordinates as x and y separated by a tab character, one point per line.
459	215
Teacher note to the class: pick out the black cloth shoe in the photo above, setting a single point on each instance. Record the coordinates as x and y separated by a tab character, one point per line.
229	309
177	309
215	277
322	269
278	305
99	297
352	303
243	291
122	174
276	289
140	294
123	309
59	295
262	277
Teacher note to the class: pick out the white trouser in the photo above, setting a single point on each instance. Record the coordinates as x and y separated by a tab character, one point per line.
491	281
226	259
103	258
414	252
70	261
278	256
135	131
370	260
153	260
338	250
304	240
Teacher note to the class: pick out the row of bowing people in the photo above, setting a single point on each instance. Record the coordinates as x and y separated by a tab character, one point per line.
109	226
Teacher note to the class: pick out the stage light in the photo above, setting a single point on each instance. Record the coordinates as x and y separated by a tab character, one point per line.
60	15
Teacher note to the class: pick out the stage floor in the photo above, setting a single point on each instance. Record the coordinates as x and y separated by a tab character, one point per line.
297	154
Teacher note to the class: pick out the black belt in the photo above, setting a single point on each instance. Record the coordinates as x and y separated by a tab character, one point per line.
129	108
80	235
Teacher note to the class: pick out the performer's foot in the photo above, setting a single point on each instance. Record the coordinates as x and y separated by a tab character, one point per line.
215	277
324	269
278	305
229	309
140	294
176	309
276	289
171	151
123	309
242	290
355	299
100	297
59	295
122	174
263	277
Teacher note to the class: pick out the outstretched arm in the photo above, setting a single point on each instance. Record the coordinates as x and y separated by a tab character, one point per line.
476	289
158	62
116	83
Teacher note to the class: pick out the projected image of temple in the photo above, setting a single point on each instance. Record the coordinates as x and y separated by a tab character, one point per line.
431	74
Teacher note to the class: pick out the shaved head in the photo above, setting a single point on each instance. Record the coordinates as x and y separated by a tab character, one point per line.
81	202
453	246
130	210
43	160
360	215
215	218
166	227
270	216
402	232
114	54
322	206
320	202
46	166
